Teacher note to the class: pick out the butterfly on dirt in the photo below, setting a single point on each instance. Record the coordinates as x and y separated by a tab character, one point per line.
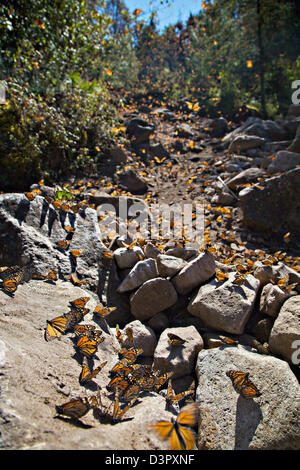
103	311
88	374
11	277
241	382
87	346
117	413
179	432
77	407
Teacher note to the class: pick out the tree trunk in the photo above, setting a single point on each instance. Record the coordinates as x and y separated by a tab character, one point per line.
261	60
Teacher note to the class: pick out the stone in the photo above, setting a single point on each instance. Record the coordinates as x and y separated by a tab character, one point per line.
250	175
139	130
262	329
143	337
275	208
158	322
185	253
151	251
30	230
132	182
284	161
217	127
271	299
152	297
293	111
225	306
295	145
117	155
196	272
126	258
169	265
185	131
178	359
285	335
141	272
245	142
231	422
265	274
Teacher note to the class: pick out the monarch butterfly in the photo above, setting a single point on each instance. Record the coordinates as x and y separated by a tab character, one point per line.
77	407
69	229
86	346
175	340
80	330
87	374
117	413
80	302
229	341
75	208
129	333
57	204
148	382
76	253
178	432
118	382
13	273
123	368
63	244
30	196
108	254
172	398
9	286
51	276
56	327
130	246
243	384
119	335
103	311
162	379
130	354
132	390
65	207
74	279
76	315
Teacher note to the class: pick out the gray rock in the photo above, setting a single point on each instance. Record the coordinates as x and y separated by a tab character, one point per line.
271	299
140	130
169	265
158	322
151	251
250	175
295	145
185	253
29	232
275	208
245	142
228	421
225	306
143	337
152	297
178	359
285	335
127	258
266	274
195	273
132	182
141	272
284	161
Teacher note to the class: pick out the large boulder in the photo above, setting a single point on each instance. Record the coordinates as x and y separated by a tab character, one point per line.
285	335
30	230
228	421
284	161
195	273
225	306
275	208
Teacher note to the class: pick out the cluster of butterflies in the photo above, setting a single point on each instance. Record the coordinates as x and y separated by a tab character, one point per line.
10	278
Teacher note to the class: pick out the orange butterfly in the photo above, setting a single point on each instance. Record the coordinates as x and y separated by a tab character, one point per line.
69	229
30	195
74	279
162	379
65	207
56	327
80	302
57	204
130	354
77	407
88	347
80	330
118	382
86	374
175	340
178	432
76	253
243	384
172	398
103	311
9	286
63	244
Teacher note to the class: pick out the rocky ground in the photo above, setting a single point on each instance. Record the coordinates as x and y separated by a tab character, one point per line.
241	282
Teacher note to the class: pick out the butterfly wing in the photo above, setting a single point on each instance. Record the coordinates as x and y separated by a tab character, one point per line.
9	286
249	390
163	429
187	439
238	378
162	379
86	346
175	340
75	408
80	302
188	415
56	327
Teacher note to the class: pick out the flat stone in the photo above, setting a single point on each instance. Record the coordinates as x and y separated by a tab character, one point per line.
140	273
169	265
